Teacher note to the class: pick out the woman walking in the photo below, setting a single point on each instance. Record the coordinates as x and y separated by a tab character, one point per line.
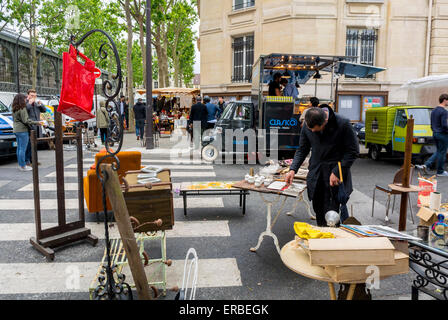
103	121
22	123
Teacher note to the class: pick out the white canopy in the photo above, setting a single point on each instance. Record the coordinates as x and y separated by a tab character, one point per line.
426	91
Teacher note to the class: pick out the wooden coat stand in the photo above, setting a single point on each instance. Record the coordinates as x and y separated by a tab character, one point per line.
64	233
406	188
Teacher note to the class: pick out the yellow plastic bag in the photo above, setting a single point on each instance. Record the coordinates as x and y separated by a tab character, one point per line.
306	231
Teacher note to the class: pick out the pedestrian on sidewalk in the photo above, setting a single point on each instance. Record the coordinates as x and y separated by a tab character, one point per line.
439	126
140	117
34	108
332	140
198	113
103	121
124	112
213	113
21	125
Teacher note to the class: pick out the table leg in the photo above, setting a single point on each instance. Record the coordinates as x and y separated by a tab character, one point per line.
351	291
185	203
244	203
241	197
300	198
268	231
332	291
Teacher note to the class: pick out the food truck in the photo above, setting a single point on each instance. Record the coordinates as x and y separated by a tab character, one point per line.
386	129
272	122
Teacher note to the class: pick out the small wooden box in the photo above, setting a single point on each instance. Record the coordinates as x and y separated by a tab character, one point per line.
359	273
351	252
148	205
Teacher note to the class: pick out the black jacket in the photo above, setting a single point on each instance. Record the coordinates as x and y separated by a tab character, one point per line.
140	111
439	120
34	111
198	112
337	142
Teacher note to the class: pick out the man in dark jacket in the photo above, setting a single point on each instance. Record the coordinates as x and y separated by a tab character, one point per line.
124	111
140	117
439	126
34	109
198	112
331	139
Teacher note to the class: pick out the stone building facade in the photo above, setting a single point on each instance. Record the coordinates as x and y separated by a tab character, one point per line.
408	38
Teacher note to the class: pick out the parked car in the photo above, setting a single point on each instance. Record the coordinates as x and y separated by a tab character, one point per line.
8	144
360	130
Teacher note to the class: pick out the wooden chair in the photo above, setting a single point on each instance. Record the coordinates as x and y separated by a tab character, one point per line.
398	179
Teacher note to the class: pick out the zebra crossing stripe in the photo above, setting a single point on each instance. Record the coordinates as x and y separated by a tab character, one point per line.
169	166
4	183
164	161
174	174
52	204
36	278
181	229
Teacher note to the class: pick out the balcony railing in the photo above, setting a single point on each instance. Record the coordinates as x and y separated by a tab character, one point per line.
244	4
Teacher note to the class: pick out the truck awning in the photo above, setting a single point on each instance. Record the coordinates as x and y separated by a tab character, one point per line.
355	70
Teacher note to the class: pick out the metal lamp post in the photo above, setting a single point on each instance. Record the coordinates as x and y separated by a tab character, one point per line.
149	104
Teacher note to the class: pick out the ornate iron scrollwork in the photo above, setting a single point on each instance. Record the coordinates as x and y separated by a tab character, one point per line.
112	284
431	268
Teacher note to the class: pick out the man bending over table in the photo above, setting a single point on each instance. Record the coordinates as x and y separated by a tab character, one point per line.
331	139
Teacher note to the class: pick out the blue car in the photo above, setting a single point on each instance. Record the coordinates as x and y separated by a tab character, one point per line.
360	131
8	144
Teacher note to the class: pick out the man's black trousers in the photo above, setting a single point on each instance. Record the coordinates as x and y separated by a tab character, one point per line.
324	200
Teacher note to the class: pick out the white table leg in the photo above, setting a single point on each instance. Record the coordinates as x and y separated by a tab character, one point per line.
300	198
269	225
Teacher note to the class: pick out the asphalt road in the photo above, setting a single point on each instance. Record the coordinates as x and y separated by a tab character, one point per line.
216	228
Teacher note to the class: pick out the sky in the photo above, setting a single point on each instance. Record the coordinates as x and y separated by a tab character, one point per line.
197	65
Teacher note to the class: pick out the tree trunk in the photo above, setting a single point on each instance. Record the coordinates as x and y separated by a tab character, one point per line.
130	77
33	49
142	45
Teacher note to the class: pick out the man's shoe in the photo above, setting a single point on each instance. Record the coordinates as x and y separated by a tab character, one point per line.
422	167
25	168
444	174
138	138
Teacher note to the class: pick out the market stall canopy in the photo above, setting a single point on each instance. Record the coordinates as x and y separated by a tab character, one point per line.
172	91
301	68
426	91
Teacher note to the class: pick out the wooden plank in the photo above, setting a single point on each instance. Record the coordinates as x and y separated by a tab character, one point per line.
362	251
358	273
118	204
65	238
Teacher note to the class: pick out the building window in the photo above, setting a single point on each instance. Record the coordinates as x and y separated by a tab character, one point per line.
48	74
361	45
243	58
242	4
25	64
6	65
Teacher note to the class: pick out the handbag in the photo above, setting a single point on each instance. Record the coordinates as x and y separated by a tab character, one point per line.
78	84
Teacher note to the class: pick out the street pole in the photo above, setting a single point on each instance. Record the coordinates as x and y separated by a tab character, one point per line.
149	104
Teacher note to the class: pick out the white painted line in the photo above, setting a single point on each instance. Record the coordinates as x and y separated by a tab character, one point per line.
168	166
52	204
4	183
164	161
179	174
44	186
33	278
69	174
181	229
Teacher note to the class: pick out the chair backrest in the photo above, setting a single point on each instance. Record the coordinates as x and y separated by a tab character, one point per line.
192	267
129	160
398	178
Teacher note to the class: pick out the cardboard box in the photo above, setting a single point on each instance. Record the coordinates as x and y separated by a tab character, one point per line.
427	216
351	252
358	273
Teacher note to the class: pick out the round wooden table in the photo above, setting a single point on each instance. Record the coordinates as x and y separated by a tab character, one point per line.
297	260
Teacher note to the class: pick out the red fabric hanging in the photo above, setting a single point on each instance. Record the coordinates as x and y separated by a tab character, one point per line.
78	83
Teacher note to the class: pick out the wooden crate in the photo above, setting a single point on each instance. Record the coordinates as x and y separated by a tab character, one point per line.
358	273
351	252
148	205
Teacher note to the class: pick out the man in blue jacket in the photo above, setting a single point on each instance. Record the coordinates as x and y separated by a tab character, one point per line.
213	113
439	126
